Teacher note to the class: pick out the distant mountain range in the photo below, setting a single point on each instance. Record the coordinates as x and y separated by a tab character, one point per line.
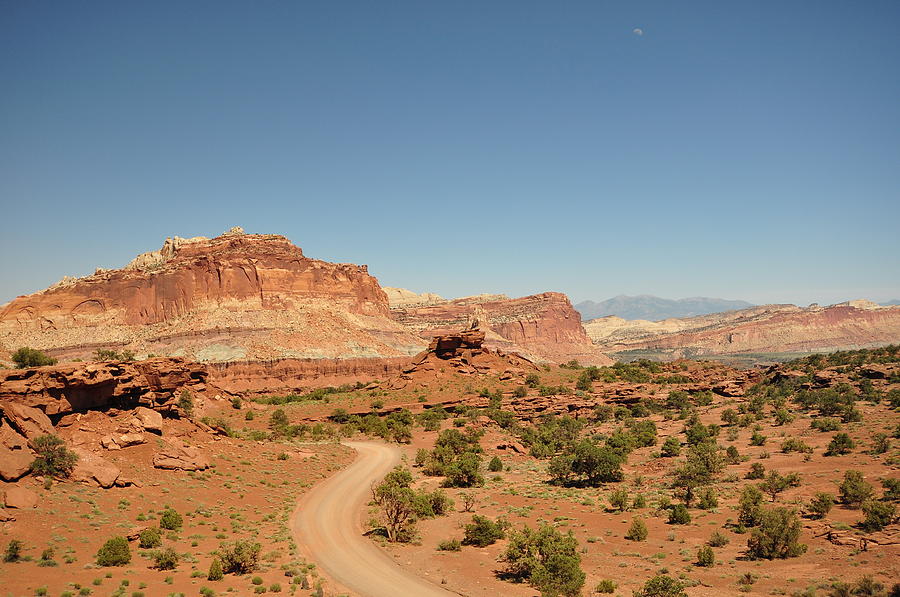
654	308
892	303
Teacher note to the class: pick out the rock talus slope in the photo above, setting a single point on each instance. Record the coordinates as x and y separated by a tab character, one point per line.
234	297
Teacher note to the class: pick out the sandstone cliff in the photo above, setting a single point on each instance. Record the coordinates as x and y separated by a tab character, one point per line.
542	326
234	297
764	329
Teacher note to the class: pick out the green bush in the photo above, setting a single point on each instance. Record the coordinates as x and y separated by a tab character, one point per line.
215	570
495	465
450	545
545	558
705	557
662	586
671	447
777	535
679	515
750	506
53	458
618	499
165	559
13	551
877	515
708	499
840	444
606	586
717	539
115	552
854	490
186	402
757	471
820	505
240	557
149	538
638	530
170	520
29	357
482	531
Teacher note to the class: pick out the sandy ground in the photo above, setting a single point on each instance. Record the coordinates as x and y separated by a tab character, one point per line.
327	523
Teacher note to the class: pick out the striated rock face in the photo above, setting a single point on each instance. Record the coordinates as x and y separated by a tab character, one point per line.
29	396
543	326
284	376
234	297
770	328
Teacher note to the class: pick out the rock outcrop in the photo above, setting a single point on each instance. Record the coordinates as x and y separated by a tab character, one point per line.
765	329
234	297
542	326
29	396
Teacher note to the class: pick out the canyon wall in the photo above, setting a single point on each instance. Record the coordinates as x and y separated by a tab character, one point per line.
542	326
765	329
234	297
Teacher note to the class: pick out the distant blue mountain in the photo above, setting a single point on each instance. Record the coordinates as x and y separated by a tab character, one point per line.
654	308
892	303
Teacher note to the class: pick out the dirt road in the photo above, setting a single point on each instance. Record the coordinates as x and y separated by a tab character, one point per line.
326	524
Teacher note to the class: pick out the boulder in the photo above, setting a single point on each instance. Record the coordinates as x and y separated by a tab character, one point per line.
118	441
91	468
27	420
150	420
180	457
20	497
10	438
14	464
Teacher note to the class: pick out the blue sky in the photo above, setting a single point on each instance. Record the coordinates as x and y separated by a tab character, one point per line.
743	150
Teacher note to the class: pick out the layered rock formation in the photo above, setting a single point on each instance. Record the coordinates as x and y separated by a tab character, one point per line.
234	297
765	329
542	326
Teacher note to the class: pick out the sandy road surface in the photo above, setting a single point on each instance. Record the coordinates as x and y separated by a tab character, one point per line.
327	525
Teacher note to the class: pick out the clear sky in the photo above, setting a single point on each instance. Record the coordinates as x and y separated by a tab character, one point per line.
745	150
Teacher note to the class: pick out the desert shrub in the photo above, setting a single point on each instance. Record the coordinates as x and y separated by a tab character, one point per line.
30	357
482	531
53	458
606	586
757	439
431	504
149	538
46	560
278	420
825	424
165	559
718	539
877	515
13	551
840	444
495	465
783	416
881	443
520	392
854	490
115	552
705	557
891	489
638	530
618	499
186	402
777	535
750	506
775	483
671	447
662	586
170	520
588	464
464	471
679	515
729	416
708	499
820	505
545	558
757	471
215	570
240	557
732	455
795	445
701	467
450	545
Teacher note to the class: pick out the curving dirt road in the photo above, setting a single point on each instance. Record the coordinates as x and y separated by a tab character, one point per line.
327	525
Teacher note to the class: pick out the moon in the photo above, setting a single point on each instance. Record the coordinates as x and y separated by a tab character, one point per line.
638	31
